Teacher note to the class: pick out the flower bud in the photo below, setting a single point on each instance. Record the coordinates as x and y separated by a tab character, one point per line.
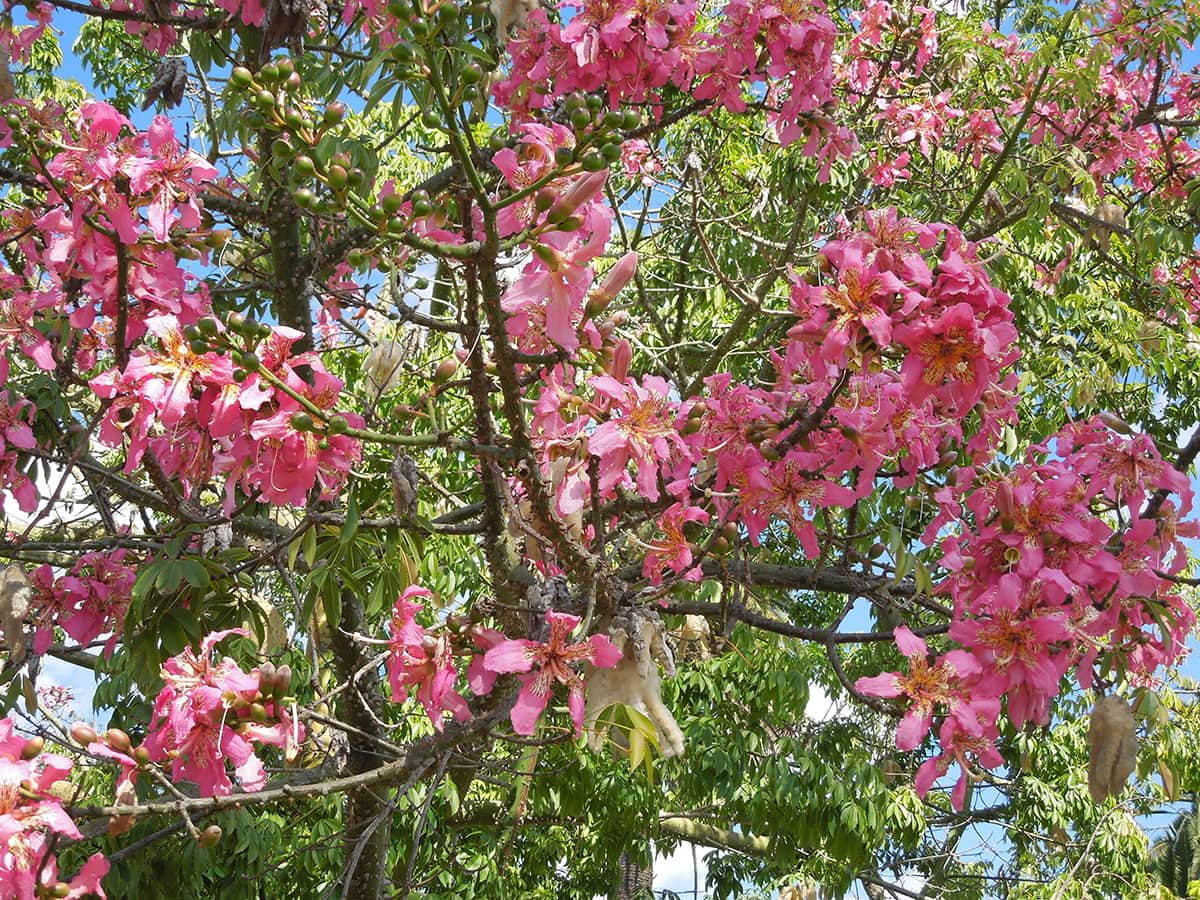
616	279
582	190
1116	423
283	682
34	746
210	836
266	677
118	740
445	370
83	734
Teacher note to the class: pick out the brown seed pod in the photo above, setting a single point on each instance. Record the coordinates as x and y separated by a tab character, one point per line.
1112	747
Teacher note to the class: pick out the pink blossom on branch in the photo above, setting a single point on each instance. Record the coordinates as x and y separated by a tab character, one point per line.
31	816
549	663
418	659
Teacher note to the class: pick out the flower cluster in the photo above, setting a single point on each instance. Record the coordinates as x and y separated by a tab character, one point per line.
200	421
890	362
1061	564
422	660
210	711
88	601
631	50
15	435
31	815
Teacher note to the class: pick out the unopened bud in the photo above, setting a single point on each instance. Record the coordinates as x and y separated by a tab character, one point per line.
118	740
266	677
1116	423
581	191
83	734
33	747
283	681
1004	505
616	279
445	370
210	836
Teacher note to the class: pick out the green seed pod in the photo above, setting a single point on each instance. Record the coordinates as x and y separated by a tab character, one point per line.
241	78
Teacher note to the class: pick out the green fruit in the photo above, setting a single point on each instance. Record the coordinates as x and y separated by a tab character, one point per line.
334	113
611	152
613	119
251	362
472	74
241	77
581	119
593	161
265	100
305	167
391	204
192	333
564	156
270	73
338	178
302	421
198	346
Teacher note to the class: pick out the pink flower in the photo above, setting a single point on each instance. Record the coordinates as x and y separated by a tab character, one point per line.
199	720
959	742
549	663
421	660
168	174
672	549
640	429
30	816
927	685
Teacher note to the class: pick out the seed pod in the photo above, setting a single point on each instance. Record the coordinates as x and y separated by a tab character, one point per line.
1112	747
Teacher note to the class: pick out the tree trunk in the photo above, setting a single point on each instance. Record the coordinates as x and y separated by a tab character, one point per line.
634	881
367	815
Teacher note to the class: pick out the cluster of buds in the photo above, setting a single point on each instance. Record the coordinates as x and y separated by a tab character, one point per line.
274	692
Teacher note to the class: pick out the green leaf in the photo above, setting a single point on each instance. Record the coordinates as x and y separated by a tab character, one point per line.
351	527
195	573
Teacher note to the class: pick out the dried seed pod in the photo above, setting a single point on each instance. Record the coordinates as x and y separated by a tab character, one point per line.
1112	747
169	84
15	594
